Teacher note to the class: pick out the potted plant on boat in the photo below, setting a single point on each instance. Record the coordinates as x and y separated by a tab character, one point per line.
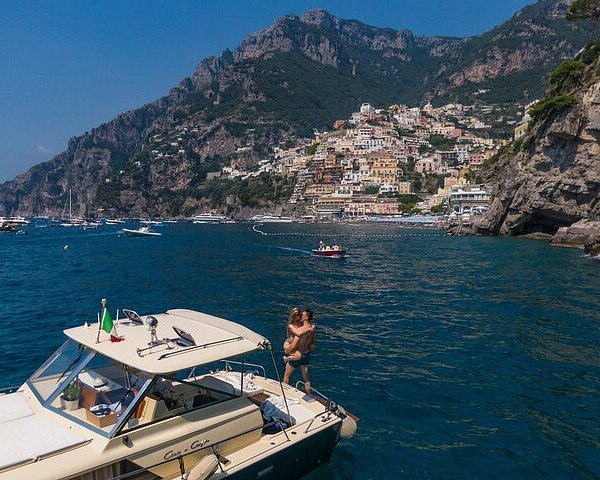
70	396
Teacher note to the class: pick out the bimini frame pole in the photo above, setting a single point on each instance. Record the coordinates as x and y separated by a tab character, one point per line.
270	347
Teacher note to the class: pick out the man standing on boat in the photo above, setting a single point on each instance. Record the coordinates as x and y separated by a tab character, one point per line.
305	343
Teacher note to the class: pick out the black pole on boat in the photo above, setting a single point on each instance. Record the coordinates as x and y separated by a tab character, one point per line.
270	347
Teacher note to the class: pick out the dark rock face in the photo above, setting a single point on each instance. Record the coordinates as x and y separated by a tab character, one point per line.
592	245
582	234
553	186
230	110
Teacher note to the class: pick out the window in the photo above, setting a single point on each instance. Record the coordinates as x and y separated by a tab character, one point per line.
100	393
180	393
57	369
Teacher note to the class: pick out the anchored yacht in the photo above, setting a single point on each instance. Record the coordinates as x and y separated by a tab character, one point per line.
271	219
168	396
210	217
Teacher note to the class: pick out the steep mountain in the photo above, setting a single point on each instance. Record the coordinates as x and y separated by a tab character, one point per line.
512	61
549	183
280	83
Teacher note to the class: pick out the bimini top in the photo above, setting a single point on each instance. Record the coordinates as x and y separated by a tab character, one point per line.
186	339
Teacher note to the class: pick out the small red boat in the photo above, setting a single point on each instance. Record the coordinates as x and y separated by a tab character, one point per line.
328	251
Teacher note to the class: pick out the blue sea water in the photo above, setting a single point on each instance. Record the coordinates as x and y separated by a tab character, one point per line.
463	357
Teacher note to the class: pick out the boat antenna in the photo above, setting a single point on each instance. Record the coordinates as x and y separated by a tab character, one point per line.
270	348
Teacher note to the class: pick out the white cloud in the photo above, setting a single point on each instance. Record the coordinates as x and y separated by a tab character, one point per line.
42	149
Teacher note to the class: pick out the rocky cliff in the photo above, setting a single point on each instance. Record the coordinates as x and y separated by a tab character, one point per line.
552	185
300	73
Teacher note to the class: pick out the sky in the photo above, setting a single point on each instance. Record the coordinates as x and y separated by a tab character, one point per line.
66	66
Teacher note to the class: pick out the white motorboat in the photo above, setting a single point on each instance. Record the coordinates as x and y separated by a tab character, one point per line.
14	221
271	219
176	399
143	231
210	217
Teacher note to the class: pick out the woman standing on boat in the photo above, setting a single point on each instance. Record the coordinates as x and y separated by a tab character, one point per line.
301	341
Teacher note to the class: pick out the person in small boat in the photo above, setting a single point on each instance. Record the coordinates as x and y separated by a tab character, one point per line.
321	245
299	346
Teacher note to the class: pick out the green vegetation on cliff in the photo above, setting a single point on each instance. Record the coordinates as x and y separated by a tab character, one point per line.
250	192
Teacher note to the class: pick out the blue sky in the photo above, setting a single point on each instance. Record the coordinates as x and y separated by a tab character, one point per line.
68	65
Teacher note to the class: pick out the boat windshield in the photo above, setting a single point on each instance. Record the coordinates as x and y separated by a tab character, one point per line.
88	387
54	372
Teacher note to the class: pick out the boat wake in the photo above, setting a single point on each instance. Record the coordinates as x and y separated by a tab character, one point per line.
297	250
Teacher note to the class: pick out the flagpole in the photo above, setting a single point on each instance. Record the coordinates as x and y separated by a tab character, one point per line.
100	320
115	324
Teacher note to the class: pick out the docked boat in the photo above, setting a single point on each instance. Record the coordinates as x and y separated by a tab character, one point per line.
14	221
335	251
69	221
176	399
271	219
143	231
210	217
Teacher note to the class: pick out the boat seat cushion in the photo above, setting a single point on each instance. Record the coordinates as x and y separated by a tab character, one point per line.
274	408
13	406
229	382
29	438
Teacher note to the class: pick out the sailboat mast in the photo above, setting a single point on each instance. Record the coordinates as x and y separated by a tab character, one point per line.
70	212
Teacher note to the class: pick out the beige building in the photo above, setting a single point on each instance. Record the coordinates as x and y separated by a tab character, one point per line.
404	188
370	206
319	189
385	168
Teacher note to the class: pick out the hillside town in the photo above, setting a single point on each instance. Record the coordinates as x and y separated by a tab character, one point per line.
389	161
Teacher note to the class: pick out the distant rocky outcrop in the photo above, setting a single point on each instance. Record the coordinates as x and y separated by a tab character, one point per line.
280	83
553	184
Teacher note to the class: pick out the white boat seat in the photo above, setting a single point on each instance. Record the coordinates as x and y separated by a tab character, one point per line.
13	406
28	438
229	382
274	409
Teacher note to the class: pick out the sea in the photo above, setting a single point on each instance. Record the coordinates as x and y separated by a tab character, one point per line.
463	357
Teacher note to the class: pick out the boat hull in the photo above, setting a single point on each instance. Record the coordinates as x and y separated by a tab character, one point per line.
294	462
137	233
330	253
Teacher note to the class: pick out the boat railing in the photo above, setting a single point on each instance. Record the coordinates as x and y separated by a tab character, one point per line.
329	404
7	390
179	458
242	365
313	390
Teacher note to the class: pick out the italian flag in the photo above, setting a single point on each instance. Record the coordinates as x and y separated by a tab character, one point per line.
109	327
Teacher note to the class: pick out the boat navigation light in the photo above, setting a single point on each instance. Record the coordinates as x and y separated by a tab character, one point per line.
152	323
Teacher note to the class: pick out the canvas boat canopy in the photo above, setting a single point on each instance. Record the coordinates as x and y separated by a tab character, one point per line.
184	339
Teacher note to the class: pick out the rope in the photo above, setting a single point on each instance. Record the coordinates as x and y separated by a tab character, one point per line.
354	235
